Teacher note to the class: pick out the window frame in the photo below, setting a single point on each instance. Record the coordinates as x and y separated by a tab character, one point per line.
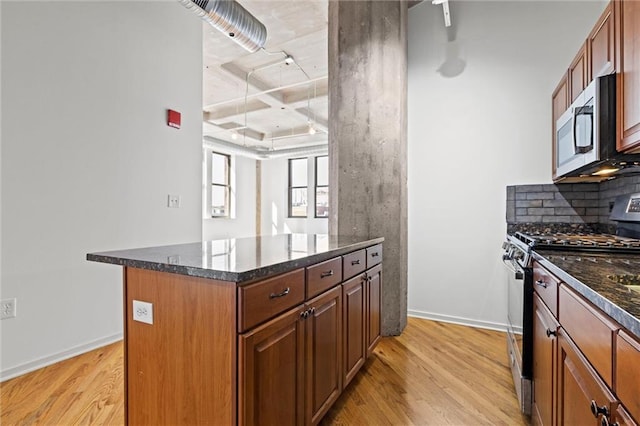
291	188
227	186
316	186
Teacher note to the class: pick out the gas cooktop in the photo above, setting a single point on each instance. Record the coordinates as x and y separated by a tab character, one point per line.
580	241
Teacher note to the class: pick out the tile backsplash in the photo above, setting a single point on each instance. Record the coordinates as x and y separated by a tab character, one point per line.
578	205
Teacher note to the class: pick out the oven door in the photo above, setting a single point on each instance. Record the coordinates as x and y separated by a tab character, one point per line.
519	330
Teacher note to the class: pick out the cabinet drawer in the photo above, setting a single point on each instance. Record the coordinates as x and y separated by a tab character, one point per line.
628	373
590	330
374	255
353	264
263	300
323	276
546	285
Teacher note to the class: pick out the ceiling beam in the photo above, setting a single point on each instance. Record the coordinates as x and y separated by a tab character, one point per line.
267	96
234	110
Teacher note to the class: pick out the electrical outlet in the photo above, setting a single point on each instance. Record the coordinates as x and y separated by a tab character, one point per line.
143	311
173	201
8	308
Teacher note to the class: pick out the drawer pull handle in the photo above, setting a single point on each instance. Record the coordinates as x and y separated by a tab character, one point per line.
596	411
375	254
541	283
551	332
281	294
326	274
355	262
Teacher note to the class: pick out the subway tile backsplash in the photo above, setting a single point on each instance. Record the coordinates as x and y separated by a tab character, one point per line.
581	206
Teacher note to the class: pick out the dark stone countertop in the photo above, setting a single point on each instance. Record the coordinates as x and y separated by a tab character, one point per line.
240	259
590	274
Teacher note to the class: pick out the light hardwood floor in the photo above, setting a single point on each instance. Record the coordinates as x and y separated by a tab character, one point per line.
433	374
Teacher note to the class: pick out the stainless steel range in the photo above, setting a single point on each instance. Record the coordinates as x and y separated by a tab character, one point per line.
517	258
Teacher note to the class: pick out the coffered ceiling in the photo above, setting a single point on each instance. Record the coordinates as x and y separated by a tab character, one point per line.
256	99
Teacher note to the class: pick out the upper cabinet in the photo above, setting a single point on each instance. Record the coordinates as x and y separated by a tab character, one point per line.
578	73
627	16
559	104
601	45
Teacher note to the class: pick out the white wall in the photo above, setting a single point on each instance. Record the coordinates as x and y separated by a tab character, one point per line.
472	134
242	222
88	161
274	200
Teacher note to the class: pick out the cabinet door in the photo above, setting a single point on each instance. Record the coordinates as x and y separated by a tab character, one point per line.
628	39
353	299
578	73
544	355
579	387
373	292
559	104
621	417
323	353
601	43
271	372
628	372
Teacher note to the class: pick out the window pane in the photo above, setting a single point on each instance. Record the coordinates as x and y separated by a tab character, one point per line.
298	202
322	171
322	202
219	171
299	172
219	201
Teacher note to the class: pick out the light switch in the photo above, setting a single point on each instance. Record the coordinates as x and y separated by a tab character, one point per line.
143	311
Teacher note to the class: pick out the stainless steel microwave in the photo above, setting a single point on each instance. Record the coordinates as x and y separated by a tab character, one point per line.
586	132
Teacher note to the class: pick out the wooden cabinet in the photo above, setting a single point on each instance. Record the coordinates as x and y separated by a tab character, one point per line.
353	298
271	372
275	351
578	73
373	294
323	354
559	104
545	329
546	285
581	392
589	373
590	330
627	15
621	417
628	373
601	45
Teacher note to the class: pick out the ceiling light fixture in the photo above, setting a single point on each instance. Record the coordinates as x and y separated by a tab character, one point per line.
445	11
231	19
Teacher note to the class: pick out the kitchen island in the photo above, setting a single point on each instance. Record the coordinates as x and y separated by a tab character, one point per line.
260	330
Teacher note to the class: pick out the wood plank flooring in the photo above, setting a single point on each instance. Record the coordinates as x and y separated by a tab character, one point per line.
433	374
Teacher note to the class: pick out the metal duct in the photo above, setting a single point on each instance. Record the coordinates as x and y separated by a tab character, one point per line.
257	154
228	17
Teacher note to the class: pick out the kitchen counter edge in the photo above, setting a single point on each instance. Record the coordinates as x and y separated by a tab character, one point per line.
240	278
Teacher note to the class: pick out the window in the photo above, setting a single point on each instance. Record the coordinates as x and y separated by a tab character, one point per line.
322	186
298	187
220	186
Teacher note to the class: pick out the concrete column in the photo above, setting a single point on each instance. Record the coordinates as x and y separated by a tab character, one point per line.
368	136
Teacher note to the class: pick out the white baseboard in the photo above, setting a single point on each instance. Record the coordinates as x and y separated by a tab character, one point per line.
458	320
30	366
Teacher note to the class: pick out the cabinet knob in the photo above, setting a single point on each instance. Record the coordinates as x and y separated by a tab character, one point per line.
541	283
551	332
375	254
605	422
596	411
355	262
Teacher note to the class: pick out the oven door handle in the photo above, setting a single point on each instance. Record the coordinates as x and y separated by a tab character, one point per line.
517	271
